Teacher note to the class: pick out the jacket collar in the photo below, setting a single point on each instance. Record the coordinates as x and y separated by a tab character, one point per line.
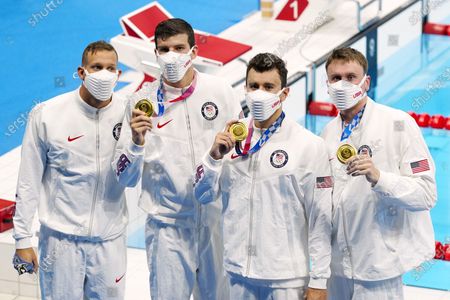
367	111
90	111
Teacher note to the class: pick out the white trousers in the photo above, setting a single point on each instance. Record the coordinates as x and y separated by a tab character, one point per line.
73	267
185	261
242	290
341	288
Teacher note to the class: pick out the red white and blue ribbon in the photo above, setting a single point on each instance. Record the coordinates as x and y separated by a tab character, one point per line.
349	128
262	140
160	96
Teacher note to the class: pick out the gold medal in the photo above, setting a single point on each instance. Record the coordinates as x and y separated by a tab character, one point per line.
345	152
239	131
146	106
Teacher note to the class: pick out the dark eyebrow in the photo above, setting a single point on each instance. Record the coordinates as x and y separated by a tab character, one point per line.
103	65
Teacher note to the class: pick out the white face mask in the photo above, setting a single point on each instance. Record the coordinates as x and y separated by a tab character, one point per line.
100	84
174	65
345	94
262	104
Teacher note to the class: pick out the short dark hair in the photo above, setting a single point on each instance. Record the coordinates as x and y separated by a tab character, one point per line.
348	54
92	48
172	27
264	62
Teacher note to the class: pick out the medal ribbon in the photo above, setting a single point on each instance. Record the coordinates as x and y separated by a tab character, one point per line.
160	96
349	128
262	140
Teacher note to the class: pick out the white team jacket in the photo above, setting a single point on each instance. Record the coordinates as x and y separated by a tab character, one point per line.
66	170
384	231
173	148
277	206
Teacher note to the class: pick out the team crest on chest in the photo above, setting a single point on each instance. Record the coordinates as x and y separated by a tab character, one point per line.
116	131
365	150
210	111
279	158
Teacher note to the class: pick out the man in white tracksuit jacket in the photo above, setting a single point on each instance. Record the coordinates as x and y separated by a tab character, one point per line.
183	240
65	171
277	200
382	195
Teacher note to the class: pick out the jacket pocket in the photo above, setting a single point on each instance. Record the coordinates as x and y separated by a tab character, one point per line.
390	219
74	187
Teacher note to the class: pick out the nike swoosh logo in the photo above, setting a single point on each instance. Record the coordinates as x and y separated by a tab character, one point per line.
69	139
164	124
234	156
120	278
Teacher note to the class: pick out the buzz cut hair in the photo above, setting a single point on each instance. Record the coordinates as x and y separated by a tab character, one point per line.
94	47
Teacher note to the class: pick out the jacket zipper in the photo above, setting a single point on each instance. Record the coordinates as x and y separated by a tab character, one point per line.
97	163
250	250
191	148
349	250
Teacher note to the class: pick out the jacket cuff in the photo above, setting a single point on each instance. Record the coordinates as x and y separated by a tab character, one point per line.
136	149
385	184
211	163
318	283
23	243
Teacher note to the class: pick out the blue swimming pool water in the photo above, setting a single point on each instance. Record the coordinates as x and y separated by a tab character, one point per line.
41	42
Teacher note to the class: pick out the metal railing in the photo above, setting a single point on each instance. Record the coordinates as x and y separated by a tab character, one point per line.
360	7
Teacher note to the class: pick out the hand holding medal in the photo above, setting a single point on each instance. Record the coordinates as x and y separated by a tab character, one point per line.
362	164
225	140
140	120
247	149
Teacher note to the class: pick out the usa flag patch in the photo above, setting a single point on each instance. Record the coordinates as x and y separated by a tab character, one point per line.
420	166
200	172
324	182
